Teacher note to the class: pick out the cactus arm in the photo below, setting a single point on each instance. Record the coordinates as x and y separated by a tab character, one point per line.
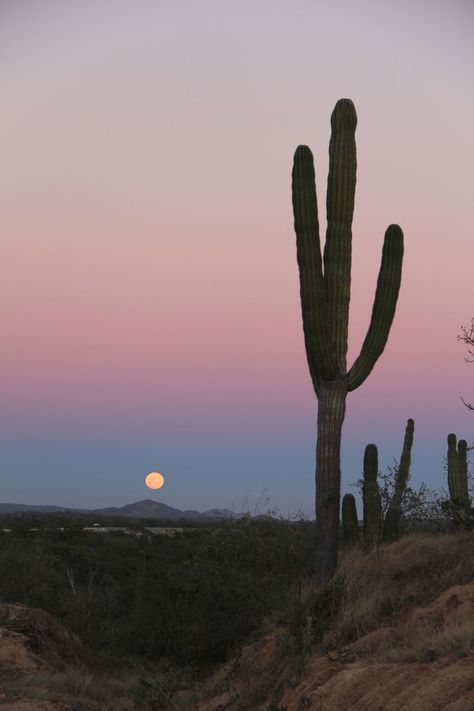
371	498
458	481
383	311
319	351
350	524
405	459
453	463
391	525
339	210
462	464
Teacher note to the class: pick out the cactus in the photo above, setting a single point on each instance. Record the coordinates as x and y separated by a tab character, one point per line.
350	524
325	295
462	461
391	525
371	498
458	481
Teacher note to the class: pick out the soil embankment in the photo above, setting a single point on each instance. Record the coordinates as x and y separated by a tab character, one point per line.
400	635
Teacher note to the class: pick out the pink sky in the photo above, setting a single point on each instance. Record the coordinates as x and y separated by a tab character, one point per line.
149	278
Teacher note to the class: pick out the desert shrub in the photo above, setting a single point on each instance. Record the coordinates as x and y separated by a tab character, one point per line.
192	597
29	572
235	577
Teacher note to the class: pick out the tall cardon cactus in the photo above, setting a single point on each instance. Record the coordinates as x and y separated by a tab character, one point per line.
391	525
458	481
325	295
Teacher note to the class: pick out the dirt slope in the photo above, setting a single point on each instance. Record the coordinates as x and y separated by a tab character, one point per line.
349	678
42	668
18	663
401	637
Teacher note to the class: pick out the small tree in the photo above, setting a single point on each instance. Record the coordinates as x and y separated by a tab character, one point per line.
467	336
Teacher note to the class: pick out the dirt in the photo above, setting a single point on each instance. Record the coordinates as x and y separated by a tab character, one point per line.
352	677
355	677
20	666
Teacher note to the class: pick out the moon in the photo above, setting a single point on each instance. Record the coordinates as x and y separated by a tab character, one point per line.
154	480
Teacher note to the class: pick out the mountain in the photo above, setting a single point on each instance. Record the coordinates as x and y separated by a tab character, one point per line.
148	508
25	508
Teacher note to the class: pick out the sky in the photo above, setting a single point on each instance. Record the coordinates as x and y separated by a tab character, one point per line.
150	313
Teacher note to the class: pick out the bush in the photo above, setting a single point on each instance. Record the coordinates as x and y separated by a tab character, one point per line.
191	597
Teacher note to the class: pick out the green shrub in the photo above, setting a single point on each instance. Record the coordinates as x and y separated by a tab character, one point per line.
191	598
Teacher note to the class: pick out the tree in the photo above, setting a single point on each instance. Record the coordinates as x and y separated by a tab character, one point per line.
467	336
325	296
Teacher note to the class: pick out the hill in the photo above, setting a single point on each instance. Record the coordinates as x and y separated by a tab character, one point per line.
148	508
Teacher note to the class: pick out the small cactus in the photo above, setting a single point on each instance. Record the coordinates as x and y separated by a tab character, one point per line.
371	498
350	524
458	481
391	525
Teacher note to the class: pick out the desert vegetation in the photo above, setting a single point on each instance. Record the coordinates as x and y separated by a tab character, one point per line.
152	616
190	598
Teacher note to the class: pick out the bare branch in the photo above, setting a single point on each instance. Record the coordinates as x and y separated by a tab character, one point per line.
467	404
467	337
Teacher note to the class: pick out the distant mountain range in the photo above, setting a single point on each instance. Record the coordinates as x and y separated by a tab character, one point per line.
141	509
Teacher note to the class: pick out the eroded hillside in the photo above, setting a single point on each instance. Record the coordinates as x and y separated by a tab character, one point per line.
395	629
401	636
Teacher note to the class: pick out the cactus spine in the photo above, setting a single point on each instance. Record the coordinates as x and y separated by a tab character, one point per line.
325	295
391	526
350	524
371	498
458	481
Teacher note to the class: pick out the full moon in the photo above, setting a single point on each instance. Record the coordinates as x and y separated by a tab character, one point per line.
154	480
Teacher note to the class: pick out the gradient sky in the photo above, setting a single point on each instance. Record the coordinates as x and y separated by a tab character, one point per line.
150	299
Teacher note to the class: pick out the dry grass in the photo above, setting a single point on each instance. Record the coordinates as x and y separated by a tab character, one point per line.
400	603
419	644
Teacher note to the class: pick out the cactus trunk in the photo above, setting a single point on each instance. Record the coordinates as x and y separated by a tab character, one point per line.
391	526
325	295
331	411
